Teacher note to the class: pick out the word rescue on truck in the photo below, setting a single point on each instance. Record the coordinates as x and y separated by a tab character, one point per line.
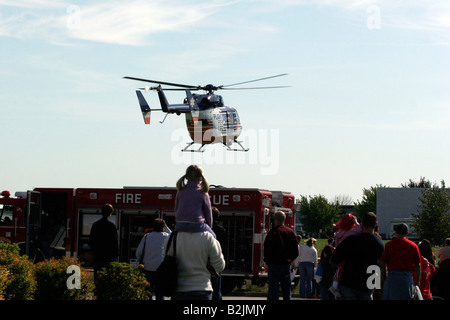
136	198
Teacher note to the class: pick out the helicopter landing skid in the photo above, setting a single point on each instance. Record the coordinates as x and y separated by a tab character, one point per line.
200	149
186	149
240	145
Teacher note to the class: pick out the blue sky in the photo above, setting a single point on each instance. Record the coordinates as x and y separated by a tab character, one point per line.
368	102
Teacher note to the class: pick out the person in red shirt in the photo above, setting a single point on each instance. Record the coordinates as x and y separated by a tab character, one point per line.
401	258
427	267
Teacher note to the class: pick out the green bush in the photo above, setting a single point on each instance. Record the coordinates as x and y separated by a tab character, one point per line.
51	276
121	281
5	244
4	281
20	279
21	282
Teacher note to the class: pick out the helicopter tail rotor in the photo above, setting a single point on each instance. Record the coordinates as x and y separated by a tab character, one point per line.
145	108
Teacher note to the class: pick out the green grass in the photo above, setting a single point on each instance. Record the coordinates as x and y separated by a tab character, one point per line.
320	244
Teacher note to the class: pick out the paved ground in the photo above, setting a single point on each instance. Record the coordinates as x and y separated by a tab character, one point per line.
243	295
258	298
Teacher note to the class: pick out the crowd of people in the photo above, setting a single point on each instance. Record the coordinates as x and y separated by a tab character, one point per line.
355	265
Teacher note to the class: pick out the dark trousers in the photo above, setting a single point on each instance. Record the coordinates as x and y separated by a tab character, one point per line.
217	287
279	276
151	276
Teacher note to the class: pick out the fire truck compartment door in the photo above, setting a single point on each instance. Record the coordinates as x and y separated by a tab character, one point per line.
258	238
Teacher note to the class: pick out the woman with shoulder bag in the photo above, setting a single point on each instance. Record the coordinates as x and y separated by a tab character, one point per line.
150	251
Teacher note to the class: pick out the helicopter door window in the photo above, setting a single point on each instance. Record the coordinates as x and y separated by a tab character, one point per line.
231	119
223	123
226	119
235	119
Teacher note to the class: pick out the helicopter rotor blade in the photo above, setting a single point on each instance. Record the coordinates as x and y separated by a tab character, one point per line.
209	87
175	89
235	84
164	83
164	89
275	87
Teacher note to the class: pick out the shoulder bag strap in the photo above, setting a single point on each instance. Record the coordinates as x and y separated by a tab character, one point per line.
143	249
174	243
174	236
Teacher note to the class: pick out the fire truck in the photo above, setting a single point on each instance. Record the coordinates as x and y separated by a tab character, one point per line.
56	222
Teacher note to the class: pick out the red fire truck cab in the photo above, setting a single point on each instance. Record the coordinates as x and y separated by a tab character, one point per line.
60	221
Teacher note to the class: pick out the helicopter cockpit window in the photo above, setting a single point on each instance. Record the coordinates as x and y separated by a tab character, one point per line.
6	214
231	119
218	101
235	118
225	117
212	101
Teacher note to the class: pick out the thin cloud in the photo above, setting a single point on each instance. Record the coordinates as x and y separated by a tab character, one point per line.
132	23
118	22
32	4
415	15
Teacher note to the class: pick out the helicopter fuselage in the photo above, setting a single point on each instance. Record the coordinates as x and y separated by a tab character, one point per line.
214	125
208	120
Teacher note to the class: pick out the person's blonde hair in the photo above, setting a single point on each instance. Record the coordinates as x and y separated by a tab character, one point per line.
193	173
310	242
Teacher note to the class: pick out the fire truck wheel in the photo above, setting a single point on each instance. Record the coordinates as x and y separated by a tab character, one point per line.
228	285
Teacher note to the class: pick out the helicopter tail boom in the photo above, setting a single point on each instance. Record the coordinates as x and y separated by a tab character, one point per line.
163	101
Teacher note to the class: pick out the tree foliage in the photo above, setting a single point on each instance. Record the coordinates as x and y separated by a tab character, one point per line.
317	213
432	220
368	202
422	183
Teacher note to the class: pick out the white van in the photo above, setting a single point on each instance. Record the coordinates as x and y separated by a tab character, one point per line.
408	221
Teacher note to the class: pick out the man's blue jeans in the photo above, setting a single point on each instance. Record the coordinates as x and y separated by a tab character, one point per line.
399	285
279	276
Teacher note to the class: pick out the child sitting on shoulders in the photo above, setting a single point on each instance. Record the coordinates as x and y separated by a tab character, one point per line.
192	204
347	226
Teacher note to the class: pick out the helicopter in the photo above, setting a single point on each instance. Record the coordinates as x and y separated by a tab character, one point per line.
208	120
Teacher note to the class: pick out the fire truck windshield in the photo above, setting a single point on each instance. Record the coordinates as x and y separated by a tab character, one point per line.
6	214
